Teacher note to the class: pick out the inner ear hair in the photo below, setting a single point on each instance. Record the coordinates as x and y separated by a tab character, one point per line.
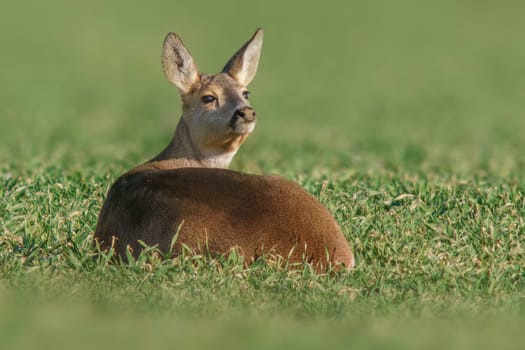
178	64
242	66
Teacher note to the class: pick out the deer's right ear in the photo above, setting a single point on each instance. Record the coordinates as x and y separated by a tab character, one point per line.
178	64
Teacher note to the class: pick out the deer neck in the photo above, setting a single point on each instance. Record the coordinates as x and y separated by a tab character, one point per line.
183	150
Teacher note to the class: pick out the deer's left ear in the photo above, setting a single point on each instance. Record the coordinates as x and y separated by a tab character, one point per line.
243	64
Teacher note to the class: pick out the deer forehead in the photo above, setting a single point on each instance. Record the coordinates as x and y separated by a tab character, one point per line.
221	86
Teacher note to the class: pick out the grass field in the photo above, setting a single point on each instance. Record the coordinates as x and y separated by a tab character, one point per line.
405	118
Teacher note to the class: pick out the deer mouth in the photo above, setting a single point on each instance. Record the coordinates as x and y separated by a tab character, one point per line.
242	124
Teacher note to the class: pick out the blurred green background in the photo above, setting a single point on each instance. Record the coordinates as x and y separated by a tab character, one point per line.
365	98
439	82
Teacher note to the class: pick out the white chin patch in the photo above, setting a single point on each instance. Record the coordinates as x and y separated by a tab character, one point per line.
244	128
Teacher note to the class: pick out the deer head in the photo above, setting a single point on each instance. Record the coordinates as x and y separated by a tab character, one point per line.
217	116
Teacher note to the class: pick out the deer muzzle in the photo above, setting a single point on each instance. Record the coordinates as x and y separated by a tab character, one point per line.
242	115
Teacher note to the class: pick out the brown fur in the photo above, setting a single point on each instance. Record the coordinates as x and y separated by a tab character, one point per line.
217	210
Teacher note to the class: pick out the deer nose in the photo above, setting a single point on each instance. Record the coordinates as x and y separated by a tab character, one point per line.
246	113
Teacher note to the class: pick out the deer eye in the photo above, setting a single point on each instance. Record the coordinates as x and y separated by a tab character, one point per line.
208	98
246	94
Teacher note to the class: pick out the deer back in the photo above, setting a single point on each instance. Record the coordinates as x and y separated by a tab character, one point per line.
215	210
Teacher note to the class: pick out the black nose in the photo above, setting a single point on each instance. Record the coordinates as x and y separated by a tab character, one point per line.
239	113
246	113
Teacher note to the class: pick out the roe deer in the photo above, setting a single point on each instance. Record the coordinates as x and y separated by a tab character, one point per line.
183	191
